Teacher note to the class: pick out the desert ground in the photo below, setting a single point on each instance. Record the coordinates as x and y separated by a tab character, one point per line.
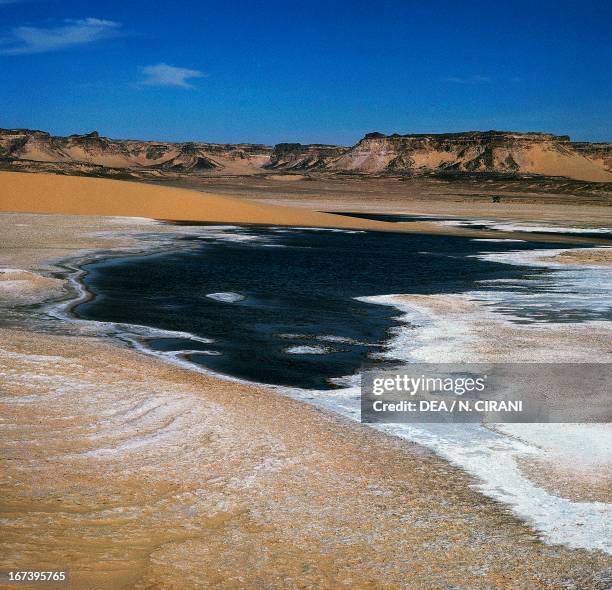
130	472
50	193
547	199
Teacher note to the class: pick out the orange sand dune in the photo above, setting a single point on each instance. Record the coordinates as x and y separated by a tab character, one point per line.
70	195
48	193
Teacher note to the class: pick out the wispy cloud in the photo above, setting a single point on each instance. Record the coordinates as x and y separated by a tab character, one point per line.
475	79
24	40
165	75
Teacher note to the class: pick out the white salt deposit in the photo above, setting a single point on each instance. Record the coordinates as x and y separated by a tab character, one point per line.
226	297
306	350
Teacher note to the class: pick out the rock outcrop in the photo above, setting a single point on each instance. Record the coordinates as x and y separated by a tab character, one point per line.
296	156
477	152
92	149
447	154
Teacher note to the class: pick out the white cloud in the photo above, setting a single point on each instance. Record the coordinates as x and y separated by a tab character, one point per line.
165	75
24	40
475	79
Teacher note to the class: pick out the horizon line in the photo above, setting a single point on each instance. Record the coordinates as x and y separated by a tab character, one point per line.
363	136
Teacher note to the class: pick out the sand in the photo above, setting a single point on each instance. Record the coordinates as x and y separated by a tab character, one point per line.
45	193
473	333
48	193
133	473
540	160
130	473
597	256
534	199
23	287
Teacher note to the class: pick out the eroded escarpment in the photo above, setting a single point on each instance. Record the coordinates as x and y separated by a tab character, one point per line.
502	153
93	153
477	152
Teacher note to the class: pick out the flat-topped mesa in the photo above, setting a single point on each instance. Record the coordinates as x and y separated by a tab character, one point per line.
503	152
473	136
470	152
297	156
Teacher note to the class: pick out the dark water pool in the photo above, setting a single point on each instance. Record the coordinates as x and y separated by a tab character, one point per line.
280	306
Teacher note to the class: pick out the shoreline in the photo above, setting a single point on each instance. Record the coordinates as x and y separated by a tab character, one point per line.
455	329
488	526
554	530
124	333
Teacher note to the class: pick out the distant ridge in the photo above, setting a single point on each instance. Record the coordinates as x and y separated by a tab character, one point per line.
491	152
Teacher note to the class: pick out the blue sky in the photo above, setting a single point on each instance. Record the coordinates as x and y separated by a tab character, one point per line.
315	71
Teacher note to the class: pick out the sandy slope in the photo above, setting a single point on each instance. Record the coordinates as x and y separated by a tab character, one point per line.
47	193
549	162
70	195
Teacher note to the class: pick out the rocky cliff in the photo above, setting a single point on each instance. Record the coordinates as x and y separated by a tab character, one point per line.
94	150
296	156
474	152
